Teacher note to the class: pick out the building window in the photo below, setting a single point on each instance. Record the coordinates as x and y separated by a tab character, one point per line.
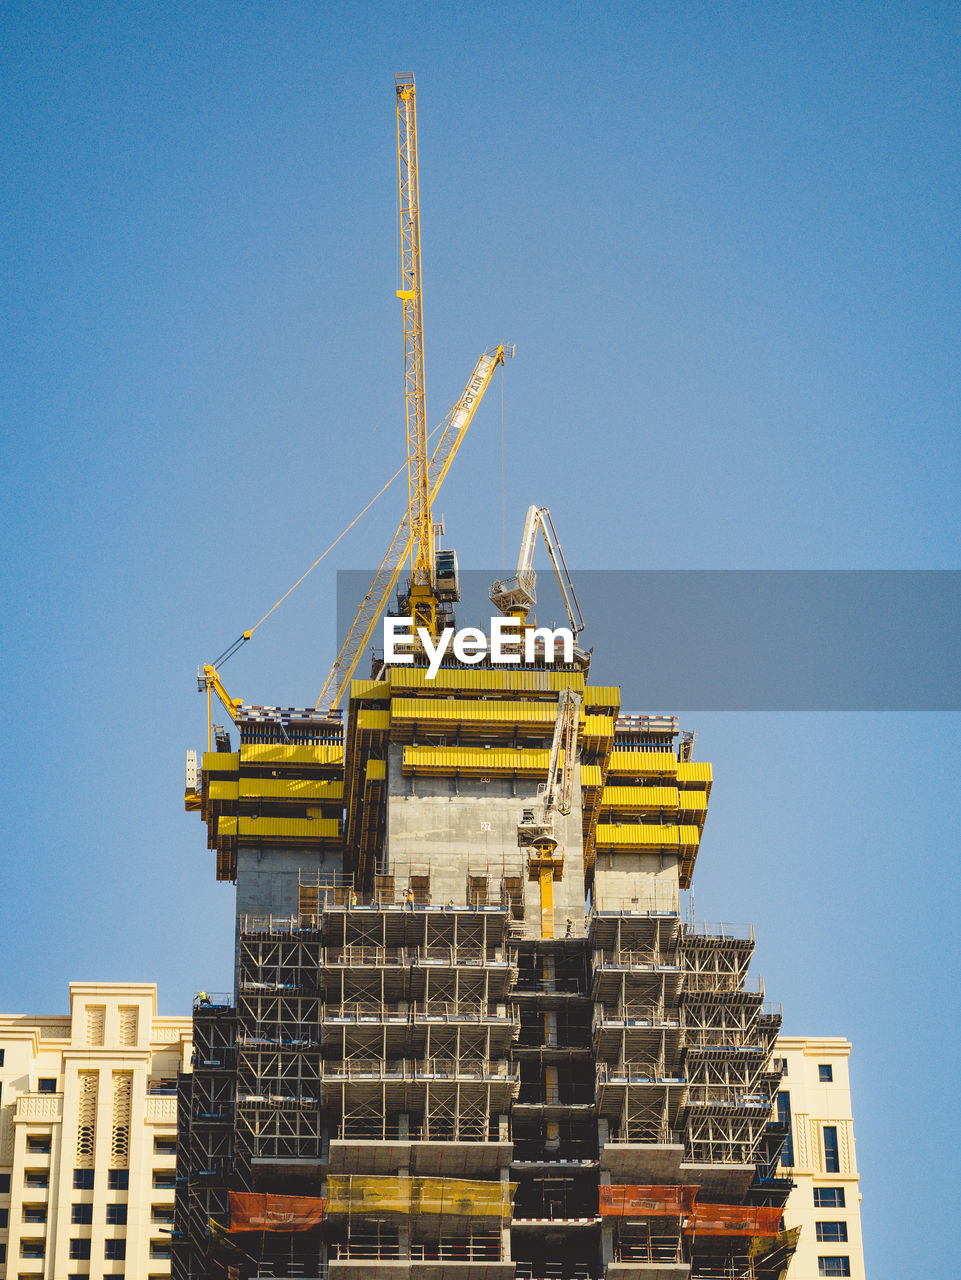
32	1249
825	1073
82	1214
47	1084
80	1250
35	1213
117	1215
160	1248
784	1117
164	1179
5	1218
832	1232
33	1178
832	1156
115	1250
83	1179
38	1144
165	1146
839	1266
4	1184
118	1179
3	1253
780	1064
829	1197
1	1057
162	1214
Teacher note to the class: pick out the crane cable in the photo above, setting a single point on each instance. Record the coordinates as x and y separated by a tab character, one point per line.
245	636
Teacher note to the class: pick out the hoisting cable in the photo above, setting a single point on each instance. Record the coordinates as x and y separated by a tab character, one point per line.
245	636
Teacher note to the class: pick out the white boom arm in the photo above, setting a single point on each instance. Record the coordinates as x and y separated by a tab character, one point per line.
520	592
559	792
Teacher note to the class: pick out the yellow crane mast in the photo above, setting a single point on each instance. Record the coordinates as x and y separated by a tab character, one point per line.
422	601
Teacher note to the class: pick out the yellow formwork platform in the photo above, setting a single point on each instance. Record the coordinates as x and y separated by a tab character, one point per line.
644	764
222	789
603	699
220	761
298	830
475	762
447	711
272	753
640	799
485	680
298	790
696	775
645	836
455	1197
369	690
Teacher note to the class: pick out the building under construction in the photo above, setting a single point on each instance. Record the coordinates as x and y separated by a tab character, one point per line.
470	1033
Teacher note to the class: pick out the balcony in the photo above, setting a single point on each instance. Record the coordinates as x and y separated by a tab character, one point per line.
42	1108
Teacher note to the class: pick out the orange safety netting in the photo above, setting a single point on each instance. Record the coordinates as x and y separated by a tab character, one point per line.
252	1212
647	1202
734	1220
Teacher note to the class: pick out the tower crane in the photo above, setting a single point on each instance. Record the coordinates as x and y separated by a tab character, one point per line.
433	582
545	860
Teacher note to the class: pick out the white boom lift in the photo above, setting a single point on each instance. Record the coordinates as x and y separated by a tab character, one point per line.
545	860
516	597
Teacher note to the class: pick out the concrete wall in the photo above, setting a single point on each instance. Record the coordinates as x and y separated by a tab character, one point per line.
268	878
636	882
471	828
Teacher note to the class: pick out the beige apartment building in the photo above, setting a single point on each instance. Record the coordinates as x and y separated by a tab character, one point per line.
815	1100
88	1132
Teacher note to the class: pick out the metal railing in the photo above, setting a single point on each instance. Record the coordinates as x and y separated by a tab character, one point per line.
426	1069
485	1247
646	958
736	1096
636	1073
722	932
213	1000
626	1014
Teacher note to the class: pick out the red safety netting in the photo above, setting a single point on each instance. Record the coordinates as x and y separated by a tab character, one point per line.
647	1202
253	1212
734	1220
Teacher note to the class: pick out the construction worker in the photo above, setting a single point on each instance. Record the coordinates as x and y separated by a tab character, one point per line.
203	1000
408	900
353	897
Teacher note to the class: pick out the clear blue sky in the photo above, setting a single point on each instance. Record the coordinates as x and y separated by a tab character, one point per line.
725	241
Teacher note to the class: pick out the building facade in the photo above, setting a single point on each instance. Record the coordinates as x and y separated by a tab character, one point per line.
814	1101
468	1036
88	1136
